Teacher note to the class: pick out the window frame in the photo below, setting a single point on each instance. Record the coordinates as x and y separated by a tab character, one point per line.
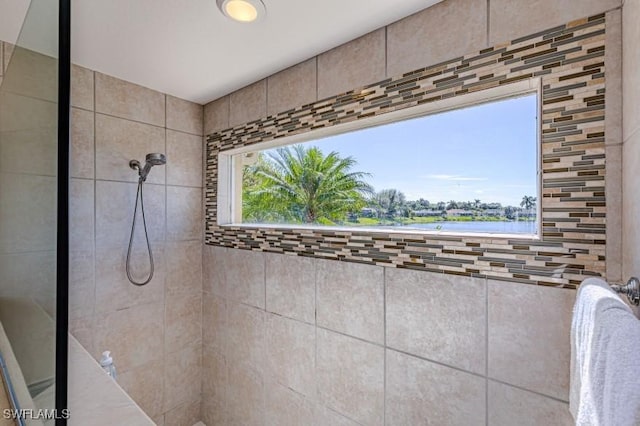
230	162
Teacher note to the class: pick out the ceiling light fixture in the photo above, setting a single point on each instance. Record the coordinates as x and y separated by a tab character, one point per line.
242	10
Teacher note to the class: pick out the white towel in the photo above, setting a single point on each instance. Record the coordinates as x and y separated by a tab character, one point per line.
605	352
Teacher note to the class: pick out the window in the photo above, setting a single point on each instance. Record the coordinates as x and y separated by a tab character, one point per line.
472	168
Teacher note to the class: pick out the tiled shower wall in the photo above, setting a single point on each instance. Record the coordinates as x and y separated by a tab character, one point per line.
290	340
301	340
153	332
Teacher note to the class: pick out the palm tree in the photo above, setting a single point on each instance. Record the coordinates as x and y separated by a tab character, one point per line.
528	202
303	185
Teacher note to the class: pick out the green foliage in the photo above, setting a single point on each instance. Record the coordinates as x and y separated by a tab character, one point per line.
389	203
528	202
302	185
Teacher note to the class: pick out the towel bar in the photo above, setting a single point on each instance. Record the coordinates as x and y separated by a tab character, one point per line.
631	289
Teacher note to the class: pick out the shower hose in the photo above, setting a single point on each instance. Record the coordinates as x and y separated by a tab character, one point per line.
146	235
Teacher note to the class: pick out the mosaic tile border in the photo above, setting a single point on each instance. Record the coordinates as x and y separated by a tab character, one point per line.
569	59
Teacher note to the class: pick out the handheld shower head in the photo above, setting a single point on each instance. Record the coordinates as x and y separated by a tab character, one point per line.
152	159
156	159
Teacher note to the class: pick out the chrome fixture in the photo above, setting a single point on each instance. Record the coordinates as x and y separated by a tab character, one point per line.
631	289
245	11
153	159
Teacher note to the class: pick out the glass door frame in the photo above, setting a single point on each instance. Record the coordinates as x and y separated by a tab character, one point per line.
62	240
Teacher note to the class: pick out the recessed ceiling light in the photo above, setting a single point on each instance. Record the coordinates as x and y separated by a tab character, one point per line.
242	10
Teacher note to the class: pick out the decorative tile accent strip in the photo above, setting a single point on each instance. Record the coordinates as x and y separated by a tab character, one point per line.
569	59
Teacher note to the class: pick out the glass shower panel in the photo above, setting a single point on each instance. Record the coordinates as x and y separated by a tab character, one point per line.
28	210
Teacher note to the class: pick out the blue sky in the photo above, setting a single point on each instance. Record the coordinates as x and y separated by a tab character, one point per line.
485	152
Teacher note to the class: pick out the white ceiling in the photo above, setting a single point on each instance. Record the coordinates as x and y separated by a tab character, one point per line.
188	49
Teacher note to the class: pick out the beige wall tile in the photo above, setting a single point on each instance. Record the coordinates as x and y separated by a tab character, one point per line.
248	103
127	100
214	377
214	413
325	416
509	406
422	392
20	113
184	159
352	65
350	299
244	276
216	115
613	190
184	213
32	74
214	324
82	88
182	375
114	213
31	276
184	267
631	201
113	289
81	214
293	87
512	19
246	396
29	223
439	317
144	385
82	285
291	286
82	328
159	420
445	31
245	335
122	331
524	323
290	353
29	151
214	260
184	116
82	144
187	414
351	377
630	66
183	321
118	141
285	407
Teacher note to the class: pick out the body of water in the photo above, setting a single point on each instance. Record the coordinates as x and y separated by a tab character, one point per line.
489	227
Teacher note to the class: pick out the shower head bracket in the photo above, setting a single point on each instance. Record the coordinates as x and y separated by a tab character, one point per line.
134	164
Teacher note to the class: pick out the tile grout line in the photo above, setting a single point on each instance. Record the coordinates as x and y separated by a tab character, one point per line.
384	339
164	313
386	51
315	329
529	390
486	350
95	216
